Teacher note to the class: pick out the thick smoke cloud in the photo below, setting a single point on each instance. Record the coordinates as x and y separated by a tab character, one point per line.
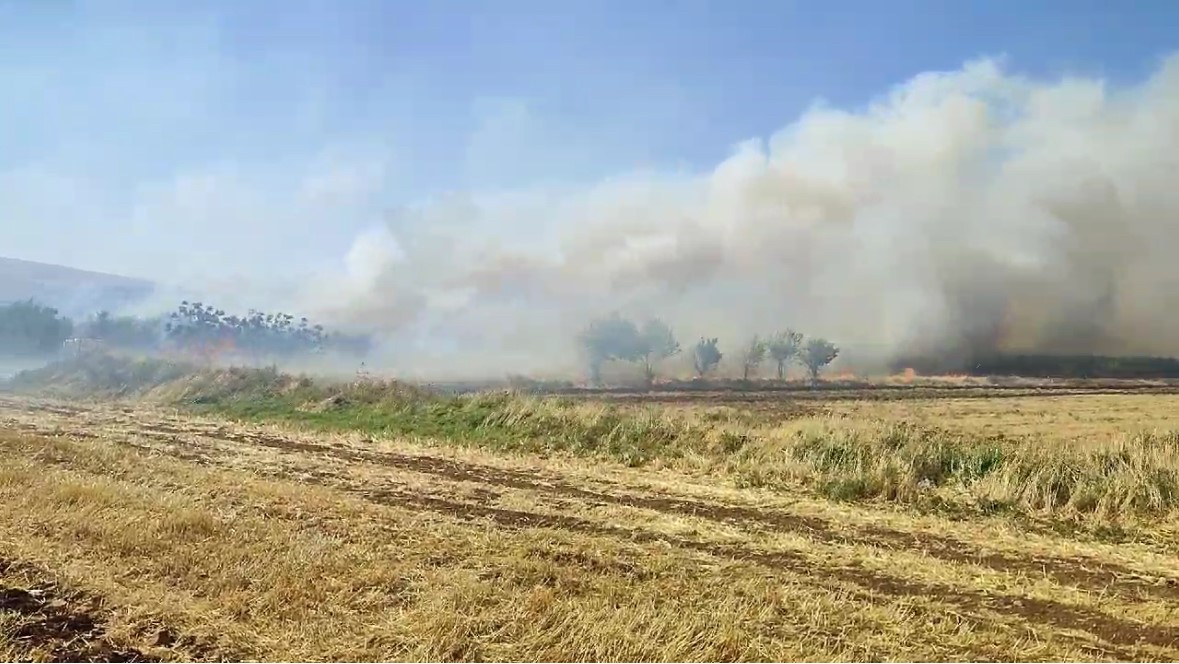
961	212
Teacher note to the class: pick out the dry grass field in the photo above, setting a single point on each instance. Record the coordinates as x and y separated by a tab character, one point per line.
188	523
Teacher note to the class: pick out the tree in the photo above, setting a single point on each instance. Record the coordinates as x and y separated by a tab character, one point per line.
29	328
657	343
783	348
207	330
101	326
818	353
753	355
127	332
610	338
706	356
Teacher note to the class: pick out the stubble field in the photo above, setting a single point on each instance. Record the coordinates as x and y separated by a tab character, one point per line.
964	526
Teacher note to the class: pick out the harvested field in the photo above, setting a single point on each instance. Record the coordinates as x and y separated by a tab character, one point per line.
761	395
254	516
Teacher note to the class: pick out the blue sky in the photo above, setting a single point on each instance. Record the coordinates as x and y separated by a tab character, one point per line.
232	136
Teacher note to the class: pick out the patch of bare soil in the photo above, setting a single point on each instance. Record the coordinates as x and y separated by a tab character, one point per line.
61	626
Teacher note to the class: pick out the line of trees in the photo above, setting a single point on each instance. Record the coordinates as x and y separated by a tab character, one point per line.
197	326
127	332
614	338
204	328
1044	365
30	329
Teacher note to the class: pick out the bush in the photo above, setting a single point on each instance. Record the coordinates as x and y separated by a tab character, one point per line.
102	374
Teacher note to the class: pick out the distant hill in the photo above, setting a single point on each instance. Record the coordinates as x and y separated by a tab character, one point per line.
74	292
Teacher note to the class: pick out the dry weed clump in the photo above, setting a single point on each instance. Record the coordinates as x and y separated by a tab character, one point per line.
634	436
1129	476
101	374
235	383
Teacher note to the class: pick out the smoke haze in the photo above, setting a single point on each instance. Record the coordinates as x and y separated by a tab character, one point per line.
473	185
961	212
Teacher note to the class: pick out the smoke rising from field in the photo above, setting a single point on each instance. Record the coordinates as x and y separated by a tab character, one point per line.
960	212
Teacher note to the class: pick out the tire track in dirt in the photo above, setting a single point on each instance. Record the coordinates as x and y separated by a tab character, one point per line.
1085	574
1099	624
1082	573
1118	636
66	626
1114	631
505	519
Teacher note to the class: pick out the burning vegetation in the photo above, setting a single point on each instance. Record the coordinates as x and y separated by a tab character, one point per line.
195	331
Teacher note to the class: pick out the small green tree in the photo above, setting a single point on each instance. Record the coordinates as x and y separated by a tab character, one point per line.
706	355
657	343
817	354
610	338
753	355
784	347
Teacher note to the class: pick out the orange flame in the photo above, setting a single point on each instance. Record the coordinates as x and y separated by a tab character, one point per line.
209	352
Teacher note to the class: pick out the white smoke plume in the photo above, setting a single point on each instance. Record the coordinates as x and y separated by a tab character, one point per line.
962	211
